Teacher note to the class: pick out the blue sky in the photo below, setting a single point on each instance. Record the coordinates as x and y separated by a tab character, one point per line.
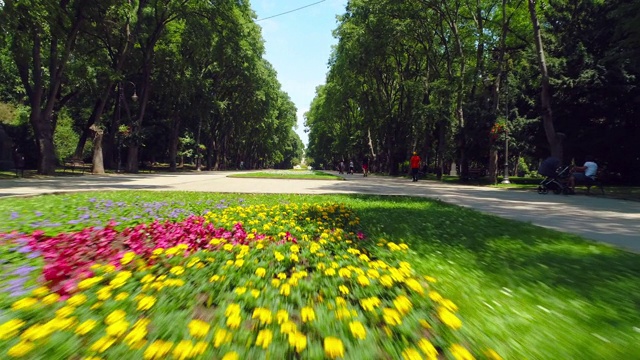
298	45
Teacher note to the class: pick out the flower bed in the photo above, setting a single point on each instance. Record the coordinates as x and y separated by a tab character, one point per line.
251	282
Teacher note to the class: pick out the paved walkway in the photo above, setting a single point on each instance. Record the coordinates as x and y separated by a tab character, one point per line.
611	221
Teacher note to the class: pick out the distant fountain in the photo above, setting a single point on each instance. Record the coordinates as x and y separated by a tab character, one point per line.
454	169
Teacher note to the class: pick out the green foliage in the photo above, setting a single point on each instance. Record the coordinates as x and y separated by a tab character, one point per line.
8	113
523	167
10	89
209	54
405	76
65	137
21	134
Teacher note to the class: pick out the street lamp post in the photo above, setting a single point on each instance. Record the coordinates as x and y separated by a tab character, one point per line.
122	101
505	180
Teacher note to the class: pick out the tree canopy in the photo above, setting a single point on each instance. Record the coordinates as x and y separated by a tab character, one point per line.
145	81
452	79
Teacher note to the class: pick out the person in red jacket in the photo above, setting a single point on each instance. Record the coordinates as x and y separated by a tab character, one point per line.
415	166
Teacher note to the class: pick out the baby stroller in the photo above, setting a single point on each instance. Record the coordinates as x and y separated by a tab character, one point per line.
556	183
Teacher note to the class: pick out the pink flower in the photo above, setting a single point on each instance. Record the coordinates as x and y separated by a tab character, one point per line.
68	256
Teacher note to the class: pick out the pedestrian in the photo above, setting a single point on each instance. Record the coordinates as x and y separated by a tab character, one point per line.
18	161
415	166
351	167
241	165
341	169
365	166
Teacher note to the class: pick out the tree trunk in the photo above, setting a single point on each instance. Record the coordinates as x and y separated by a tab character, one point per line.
27	45
392	168
462	139
136	129
441	148
554	139
215	151
108	151
173	146
44	139
480	56
98	160
492	169
132	159
197	149
493	165
148	51
98	165
96	116
86	131
370	144
462	146
111	141
495	92
42	102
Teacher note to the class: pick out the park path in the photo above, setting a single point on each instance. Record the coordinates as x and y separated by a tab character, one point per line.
612	221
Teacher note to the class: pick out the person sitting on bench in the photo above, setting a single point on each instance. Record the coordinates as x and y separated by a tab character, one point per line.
585	174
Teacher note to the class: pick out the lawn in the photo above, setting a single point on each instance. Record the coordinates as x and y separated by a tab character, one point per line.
525	291
289	174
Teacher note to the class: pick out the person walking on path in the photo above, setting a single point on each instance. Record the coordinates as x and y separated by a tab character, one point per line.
415	166
365	166
351	167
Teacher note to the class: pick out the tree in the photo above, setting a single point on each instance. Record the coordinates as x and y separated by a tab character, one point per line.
114	30
554	138
43	37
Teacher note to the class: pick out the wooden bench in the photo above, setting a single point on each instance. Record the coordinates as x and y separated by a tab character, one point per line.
476	173
74	164
595	183
19	164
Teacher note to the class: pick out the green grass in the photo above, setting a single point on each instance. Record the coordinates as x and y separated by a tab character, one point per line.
528	292
288	174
